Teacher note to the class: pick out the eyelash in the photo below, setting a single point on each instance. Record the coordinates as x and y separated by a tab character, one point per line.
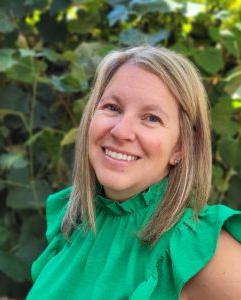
118	110
157	118
112	105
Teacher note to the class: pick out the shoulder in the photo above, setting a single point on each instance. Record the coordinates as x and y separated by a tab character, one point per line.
221	277
57	200
61	194
56	206
195	243
211	219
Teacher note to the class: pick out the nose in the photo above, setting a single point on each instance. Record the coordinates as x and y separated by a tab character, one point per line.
124	128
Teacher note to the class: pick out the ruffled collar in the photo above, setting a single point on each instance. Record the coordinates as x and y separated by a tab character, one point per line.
148	198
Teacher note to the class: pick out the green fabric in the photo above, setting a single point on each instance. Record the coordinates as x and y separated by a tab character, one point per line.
114	264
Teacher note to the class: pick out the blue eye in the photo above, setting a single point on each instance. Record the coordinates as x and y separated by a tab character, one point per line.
112	107
154	119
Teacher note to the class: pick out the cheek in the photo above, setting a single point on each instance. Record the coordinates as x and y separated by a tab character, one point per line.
156	149
99	127
153	142
158	146
153	148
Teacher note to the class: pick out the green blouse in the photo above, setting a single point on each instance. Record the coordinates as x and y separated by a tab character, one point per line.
114	263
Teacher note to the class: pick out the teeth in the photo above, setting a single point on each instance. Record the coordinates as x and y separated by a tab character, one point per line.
120	155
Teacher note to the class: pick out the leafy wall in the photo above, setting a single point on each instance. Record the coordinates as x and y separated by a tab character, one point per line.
49	50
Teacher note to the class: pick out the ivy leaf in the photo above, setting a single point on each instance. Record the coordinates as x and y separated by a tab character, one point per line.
222	118
237	93
156	38
42	116
69	137
45	143
24	198
192	9
65	83
116	2
119	13
31	240
217	176
180	48
222	14
4	131
6	112
232	80
214	33
220	183
12	160
79	106
14	98
13	266
230	42
7	236
132	37
86	21
230	149
59	5
210	59
234	192
6	23
22	71
14	8
36	4
27	53
7	60
237	32
136	37
87	57
19	175
146	6
50	54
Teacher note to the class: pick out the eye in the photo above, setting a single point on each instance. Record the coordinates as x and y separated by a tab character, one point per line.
154	119
112	107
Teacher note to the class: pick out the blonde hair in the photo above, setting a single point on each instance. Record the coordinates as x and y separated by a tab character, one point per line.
190	180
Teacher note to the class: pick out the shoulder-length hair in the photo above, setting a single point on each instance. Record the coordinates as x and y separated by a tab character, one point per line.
190	179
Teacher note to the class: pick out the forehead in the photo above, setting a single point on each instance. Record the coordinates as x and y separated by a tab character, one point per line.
132	82
134	75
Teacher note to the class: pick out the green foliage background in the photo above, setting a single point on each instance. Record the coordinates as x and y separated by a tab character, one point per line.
49	50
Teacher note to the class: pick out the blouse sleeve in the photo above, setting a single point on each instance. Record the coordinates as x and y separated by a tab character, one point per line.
55	209
194	243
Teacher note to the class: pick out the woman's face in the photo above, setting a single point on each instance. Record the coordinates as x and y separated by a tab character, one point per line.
134	133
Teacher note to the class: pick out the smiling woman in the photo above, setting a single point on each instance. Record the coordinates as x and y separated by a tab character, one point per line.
135	224
142	123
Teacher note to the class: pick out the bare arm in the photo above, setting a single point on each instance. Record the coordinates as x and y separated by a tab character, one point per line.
221	278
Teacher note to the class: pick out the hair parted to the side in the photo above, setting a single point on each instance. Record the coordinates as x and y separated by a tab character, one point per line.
190	179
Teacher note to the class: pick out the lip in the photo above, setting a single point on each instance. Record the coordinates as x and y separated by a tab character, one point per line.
120	151
117	164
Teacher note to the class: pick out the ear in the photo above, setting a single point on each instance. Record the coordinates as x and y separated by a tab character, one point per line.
175	159
177	155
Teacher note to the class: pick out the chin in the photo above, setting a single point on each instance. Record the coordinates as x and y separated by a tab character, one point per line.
114	183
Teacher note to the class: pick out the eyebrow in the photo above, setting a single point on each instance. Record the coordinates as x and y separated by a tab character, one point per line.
152	107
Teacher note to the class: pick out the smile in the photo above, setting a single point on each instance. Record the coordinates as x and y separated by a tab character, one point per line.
119	156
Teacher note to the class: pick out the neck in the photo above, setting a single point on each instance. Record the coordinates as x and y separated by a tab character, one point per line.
123	195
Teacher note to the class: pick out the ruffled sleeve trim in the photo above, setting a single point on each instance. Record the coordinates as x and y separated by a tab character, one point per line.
56	205
194	243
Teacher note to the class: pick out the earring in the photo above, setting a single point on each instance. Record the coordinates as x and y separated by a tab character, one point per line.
176	161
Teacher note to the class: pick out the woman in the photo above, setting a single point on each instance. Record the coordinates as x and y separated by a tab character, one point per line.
135	224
